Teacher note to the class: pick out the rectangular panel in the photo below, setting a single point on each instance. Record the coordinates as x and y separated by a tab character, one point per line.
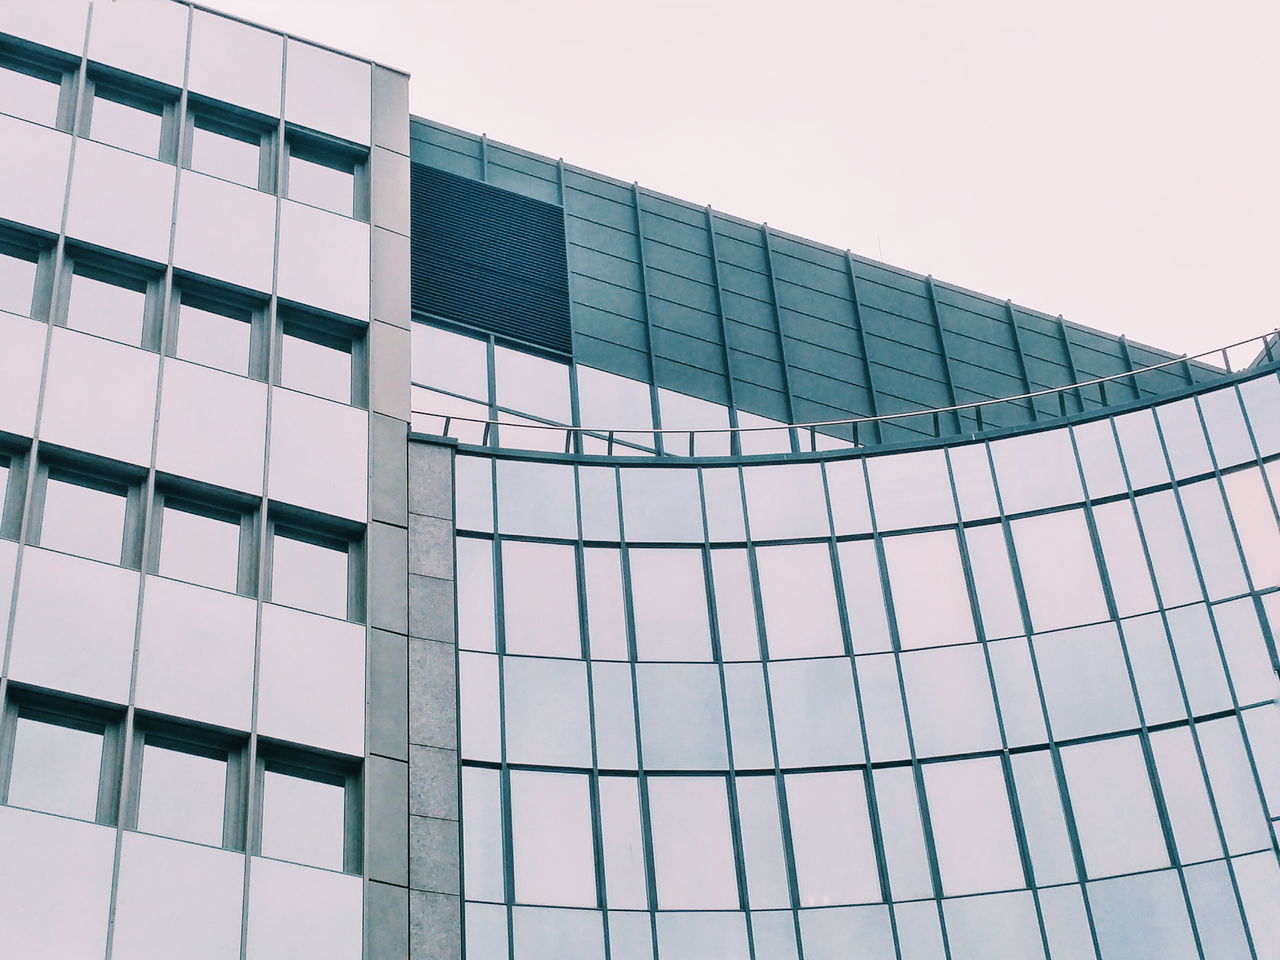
311	438
213	427
122	201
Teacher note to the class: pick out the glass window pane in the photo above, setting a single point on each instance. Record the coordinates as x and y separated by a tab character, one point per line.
482	840
622	843
83	520
552	847
303	820
1184	438
681	716
321	185
1125	558
55	768
722	495
668	587
536	499
314	367
126	126
17	284
28	97
309	576
540	599
606	616
735	605
815	712
911	490
107	309
546	712
199	549
692	851
763	859
949	699
214	338
1042	818
1002	927
847	484
682	412
972	826
1016	688
930	597
1086	682
475	594
661	505
860	578
1036	470
903	837
530	384
1114	809
786	502
1143	453
1099	458
882	711
219	154
1059	572
450	361
183	795
831	833
797	591
610	402
1142	918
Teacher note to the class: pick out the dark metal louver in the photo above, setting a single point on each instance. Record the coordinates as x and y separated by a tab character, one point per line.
489	258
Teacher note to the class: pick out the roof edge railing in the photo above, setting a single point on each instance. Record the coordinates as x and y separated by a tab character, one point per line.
1267	351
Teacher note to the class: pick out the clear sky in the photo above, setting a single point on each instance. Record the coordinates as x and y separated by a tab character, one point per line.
1116	162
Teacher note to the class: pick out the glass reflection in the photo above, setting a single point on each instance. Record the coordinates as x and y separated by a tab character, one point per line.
219	152
322	183
303	820
316	364
17	283
107	307
450	361
84	520
55	768
182	794
199	548
309	575
217	338
126	125
528	384
29	97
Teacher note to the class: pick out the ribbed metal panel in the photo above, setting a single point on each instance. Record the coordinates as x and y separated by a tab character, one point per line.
489	258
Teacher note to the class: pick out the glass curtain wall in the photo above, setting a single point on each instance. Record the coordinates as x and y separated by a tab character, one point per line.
1008	699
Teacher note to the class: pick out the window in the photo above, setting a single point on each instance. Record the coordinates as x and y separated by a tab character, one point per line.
201	545
311	573
305	816
30	92
106	301
215	333
60	762
126	121
85	516
183	790
17	278
316	362
228	151
323	178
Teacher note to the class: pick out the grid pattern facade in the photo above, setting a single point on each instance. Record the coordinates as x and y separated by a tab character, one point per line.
194	223
1003	699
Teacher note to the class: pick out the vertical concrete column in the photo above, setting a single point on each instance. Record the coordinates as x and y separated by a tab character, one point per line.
434	856
386	780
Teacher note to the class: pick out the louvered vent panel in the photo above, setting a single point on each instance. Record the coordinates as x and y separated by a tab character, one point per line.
489	258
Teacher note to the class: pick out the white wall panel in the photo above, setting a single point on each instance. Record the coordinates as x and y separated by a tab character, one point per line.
235	62
121	201
21	362
225	231
324	260
327	91
311	438
33	173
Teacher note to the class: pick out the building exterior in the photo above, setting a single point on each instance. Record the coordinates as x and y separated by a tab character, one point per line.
407	551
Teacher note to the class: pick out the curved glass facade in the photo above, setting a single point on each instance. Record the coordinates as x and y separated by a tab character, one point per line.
1009	698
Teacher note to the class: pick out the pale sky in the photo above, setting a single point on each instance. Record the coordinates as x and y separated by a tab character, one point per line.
1115	162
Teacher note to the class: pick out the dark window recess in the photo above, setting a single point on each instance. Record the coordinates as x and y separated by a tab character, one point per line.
490	259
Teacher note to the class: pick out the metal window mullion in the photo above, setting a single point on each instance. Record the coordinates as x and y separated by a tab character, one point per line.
1055	754
1217	636
253	818
917	775
1006	767
597	821
873	805
779	781
1191	724
642	781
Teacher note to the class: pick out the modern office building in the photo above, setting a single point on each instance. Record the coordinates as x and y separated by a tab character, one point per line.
408	550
